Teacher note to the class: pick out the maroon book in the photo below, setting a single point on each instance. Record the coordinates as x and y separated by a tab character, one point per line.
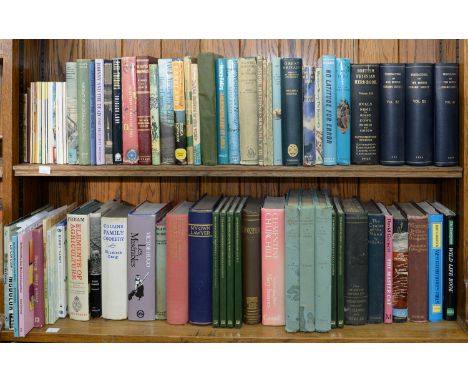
38	277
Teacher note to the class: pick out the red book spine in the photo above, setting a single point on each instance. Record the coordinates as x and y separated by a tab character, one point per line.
143	109
388	283
129	111
38	277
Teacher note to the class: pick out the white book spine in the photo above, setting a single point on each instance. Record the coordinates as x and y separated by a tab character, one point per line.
58	122
44	124
61	271
99	78
51	127
64	124
50	277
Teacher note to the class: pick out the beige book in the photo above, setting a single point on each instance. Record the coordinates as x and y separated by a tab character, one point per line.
268	156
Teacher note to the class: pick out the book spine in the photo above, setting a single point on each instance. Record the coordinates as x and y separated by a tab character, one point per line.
230	244
154	115
179	111
264	111
50	145
247	72
308	121
49	272
334	248
291	109
292	261
450	269
216	270
238	265
196	117
259	77
392	114
23	246
161	310
435	267
400	270
329	110
15	270
188	107
8	275
343	111
83	113
44	121
72	117
117	146
318	117
376	253
388	286
38	277
94	263
100	133
233	111
62	271
143	110
223	239
365	114
340	262
419	128
92	111
222	111
166	111
276	79
272	231
129	111
446	117
269	115
177	269
108	112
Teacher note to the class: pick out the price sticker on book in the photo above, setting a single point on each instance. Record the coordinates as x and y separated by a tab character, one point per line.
52	330
44	170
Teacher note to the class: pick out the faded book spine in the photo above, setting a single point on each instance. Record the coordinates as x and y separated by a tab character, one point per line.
129	111
196	117
318	117
83	112
108	112
161	312
222	111
276	100
166	111
268	141
308	116
72	117
179	111
233	111
154	115
260	107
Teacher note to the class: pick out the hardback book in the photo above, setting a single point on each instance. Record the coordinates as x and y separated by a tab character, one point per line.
92	111
166	111
446	106
272	235
291	111
400	265
117	146
141	250
392	114
44	119
417	262
200	240
260	107
435	258
144	108
99	91
356	266
318	116
238	262
179	111
129	111
264	139
247	78
196	117
207	106
188	106
292	260
328	64
108	112
449	240
177	264
333	285
83	111
340	261
419	112
308	115
343	111
365	113
78	248
154	114
161	310
307	262
276	99
37	251
388	268
376	264
26	126
252	261
268	141
71	112
222	111
230	254
61	249
233	110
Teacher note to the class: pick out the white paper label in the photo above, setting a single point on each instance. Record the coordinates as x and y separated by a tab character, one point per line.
52	330
44	170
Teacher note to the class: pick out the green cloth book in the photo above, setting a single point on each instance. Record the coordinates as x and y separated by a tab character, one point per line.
340	259
333	270
83	111
230	247
238	263
223	263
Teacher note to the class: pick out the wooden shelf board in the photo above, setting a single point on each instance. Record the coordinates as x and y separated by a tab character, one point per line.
159	331
353	171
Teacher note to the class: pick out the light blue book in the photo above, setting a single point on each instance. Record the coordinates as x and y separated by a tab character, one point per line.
291	274
14	258
233	111
308	114
277	148
323	251
222	111
343	111
92	113
329	110
307	262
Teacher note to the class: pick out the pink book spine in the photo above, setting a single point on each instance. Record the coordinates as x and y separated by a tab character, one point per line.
388	286
177	268
273	267
38	261
26	283
129	111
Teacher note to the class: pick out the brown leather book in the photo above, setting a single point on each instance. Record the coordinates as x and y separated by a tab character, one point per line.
417	262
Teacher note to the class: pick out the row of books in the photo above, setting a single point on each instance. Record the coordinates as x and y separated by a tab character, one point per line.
211	110
308	261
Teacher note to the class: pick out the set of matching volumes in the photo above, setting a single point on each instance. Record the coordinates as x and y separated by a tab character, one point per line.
211	110
306	261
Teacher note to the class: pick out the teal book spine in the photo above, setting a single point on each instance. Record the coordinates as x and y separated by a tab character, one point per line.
435	292
343	111
222	111
14	258
329	110
277	148
291	275
233	111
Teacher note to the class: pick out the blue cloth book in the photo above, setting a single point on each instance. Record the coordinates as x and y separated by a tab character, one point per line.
92	113
308	114
277	148
233	111
329	109
222	111
343	111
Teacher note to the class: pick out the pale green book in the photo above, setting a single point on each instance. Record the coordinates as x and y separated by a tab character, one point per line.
154	115
83	111
161	311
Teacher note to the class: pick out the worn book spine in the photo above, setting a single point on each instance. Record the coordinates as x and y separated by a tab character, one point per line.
154	115
100	132
38	277
435	266
83	112
247	72
15	291
260	107
392	114
376	253
129	111
161	310
264	111
222	111
388	286
343	111
329	110
188	107
269	115
71	111
108	112
62	270
166	111
276	99
117	149
400	270
446	106
95	266
318	116
340	269
8	276
223	241
92	111
450	268
25	283
179	111
308	121
230	248
238	303
419	127
365	114
143	109
233	111
334	249
196	117
216	268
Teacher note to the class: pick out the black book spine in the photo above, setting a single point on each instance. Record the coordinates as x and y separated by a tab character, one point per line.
365	114
116	112
446	114
291	106
419	132
95	295
450	269
392	114
376	251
